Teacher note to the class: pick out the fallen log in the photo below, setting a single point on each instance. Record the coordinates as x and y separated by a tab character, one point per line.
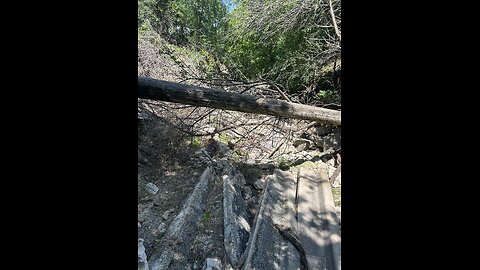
149	88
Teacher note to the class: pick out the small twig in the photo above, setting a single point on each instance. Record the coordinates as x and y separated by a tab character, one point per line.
194	109
280	91
201	117
219	130
249	131
231	82
276	148
149	105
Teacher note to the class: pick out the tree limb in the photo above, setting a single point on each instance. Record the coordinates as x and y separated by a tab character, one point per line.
149	88
334	21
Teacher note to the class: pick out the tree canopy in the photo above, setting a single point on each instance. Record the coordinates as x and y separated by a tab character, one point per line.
294	44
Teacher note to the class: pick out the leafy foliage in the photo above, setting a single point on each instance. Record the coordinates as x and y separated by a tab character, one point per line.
293	43
290	42
184	21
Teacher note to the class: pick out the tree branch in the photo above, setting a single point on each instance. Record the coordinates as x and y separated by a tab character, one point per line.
334	21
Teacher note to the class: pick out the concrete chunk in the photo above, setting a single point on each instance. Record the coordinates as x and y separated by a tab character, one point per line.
317	221
212	264
142	257
151	188
267	248
236	227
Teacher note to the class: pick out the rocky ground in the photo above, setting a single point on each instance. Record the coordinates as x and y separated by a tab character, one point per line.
181	220
165	185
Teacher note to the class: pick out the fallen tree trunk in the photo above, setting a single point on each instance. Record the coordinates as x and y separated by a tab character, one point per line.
149	88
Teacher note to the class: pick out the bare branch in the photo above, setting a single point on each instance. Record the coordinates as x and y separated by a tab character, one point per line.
334	21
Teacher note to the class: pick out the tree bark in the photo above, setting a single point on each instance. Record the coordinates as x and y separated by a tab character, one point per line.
149	88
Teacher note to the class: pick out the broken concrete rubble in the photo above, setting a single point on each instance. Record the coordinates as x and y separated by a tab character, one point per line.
151	188
303	144
212	264
142	257
166	214
236	228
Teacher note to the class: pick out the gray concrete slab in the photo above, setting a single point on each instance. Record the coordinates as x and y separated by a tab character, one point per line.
267	248
317	220
235	224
